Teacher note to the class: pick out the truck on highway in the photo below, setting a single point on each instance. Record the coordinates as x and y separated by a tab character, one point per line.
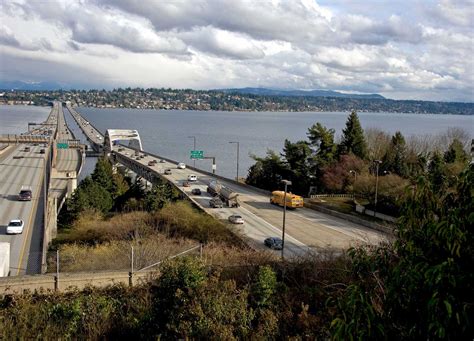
229	197
4	259
292	200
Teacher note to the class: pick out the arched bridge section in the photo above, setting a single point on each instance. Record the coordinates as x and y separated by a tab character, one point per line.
114	135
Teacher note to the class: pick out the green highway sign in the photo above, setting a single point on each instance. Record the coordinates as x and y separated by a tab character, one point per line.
62	145
197	154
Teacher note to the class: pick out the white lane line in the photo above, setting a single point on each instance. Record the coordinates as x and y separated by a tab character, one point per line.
294	240
351	234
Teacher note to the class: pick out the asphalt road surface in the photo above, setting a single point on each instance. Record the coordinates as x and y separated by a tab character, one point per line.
306	230
24	168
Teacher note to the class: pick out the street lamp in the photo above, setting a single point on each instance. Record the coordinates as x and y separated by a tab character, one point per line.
286	183
194	148
238	152
377	163
353	172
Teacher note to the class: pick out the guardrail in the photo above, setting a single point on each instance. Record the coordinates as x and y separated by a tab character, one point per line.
314	196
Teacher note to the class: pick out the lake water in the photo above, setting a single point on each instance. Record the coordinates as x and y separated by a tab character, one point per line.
166	132
14	118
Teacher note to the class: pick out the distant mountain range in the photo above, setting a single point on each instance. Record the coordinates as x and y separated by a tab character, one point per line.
38	86
299	93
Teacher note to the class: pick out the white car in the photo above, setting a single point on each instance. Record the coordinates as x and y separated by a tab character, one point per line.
192	177
181	165
236	219
15	226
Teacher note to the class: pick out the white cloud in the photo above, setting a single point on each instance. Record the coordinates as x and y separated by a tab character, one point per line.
410	48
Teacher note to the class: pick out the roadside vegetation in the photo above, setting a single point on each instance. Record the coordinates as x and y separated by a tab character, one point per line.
419	287
109	214
349	165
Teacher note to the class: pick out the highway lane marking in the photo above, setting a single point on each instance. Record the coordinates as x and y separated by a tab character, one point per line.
34	208
337	229
296	241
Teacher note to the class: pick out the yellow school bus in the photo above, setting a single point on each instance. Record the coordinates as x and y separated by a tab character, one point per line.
292	200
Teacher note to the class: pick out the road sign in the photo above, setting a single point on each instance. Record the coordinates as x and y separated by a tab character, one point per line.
197	154
62	145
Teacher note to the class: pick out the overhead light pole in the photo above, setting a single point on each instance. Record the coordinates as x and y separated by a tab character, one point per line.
377	163
194	148
353	172
286	183
238	152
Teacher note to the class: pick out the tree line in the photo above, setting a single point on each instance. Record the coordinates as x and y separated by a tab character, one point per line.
353	164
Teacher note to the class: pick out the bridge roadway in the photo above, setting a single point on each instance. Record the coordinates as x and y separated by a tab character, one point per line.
94	136
21	168
306	229
67	160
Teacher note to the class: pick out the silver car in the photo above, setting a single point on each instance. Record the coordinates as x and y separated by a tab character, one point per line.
236	219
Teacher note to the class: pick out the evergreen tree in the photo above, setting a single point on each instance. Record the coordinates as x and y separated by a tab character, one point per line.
267	172
298	157
436	172
395	160
353	139
322	139
455	152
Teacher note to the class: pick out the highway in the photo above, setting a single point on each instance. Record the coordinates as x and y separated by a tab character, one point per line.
67	160
306	229
24	168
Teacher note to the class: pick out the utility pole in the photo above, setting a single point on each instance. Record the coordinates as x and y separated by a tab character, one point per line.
377	163
238	152
286	182
194	148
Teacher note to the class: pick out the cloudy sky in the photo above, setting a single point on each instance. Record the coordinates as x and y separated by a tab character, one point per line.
404	49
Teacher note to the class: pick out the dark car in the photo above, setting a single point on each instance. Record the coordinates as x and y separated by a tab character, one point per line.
168	171
196	191
274	243
216	203
42	151
27	149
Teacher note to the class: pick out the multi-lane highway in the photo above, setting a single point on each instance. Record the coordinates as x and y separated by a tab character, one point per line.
19	167
306	229
67	160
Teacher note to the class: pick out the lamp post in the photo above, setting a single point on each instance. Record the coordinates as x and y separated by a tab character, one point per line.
286	183
194	148
377	163
238	152
353	172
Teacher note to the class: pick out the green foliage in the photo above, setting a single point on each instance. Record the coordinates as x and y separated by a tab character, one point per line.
353	139
264	288
455	152
172	291
267	172
299	158
437	172
422	289
322	140
161	194
395	160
